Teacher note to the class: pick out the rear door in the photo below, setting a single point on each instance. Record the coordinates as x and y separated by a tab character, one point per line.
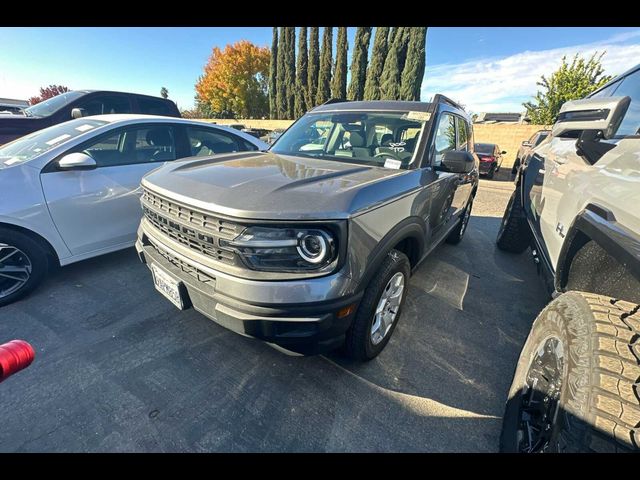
99	209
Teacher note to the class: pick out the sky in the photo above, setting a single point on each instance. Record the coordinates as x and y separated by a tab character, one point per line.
487	69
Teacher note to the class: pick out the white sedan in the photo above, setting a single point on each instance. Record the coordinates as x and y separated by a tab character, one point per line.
71	191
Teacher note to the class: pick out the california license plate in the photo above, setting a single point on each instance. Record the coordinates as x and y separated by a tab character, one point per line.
168	286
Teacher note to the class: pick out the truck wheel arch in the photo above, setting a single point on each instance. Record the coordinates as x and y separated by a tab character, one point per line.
408	236
596	231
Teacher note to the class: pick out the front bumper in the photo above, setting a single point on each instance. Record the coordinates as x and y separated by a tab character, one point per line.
299	316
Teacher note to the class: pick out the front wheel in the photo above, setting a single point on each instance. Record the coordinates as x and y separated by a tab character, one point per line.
379	309
575	388
23	265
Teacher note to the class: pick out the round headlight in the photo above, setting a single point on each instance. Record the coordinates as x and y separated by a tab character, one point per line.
313	247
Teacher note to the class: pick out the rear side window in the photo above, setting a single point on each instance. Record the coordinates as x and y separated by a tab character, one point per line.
630	86
152	106
101	105
211	141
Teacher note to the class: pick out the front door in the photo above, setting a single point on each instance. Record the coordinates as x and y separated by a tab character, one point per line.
99	209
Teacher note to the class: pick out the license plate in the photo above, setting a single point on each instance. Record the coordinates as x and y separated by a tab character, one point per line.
168	286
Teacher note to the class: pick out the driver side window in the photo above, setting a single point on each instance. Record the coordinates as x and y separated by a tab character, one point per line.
445	139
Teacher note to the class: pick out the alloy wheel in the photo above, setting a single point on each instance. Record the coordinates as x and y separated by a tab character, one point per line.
387	309
15	269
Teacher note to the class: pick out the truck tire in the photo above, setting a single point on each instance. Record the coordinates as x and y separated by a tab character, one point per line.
361	342
576	387
23	265
514	235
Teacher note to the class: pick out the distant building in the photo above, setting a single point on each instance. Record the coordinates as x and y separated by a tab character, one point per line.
488	117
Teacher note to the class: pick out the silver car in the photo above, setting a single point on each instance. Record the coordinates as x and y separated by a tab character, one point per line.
71	191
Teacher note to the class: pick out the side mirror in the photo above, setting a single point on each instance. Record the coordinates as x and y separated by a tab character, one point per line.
526	144
77	161
503	152
77	112
603	115
458	161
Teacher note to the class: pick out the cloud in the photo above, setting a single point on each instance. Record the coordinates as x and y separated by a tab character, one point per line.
502	84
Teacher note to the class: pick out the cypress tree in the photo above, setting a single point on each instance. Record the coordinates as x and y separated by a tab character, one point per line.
314	66
281	97
300	106
359	63
413	71
339	81
374	70
291	72
393	65
324	79
273	69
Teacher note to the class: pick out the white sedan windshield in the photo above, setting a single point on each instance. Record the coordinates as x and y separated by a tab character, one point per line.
25	148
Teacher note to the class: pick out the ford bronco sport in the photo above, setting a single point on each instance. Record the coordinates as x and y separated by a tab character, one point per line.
309	245
577	383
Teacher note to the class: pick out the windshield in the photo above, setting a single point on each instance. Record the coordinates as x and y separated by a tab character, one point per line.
46	108
373	138
487	148
28	147
541	137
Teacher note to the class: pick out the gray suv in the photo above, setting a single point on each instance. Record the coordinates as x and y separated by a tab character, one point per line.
309	246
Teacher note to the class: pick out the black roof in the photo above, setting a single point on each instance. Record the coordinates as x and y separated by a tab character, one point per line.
125	93
378	105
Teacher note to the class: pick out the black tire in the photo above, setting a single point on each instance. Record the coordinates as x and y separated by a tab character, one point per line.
358	343
491	171
457	233
598	409
514	234
37	257
516	164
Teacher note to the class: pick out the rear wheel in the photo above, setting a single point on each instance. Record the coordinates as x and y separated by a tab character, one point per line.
23	265
514	234
576	385
491	171
379	309
456	235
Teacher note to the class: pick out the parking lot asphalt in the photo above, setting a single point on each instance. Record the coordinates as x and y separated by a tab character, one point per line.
118	368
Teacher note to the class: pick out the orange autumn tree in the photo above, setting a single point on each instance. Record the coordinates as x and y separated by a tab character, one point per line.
235	81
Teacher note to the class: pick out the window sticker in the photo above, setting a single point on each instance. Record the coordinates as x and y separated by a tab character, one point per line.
84	128
59	139
421	116
391	163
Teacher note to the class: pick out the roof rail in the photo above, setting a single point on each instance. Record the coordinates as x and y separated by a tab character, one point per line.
334	100
439	98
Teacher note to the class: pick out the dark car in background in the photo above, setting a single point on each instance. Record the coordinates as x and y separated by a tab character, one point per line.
528	145
490	157
81	103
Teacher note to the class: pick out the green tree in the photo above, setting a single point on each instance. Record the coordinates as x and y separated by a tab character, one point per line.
394	64
314	66
164	93
301	75
281	94
413	72
290	71
571	81
359	63
273	69
374	70
324	79
339	81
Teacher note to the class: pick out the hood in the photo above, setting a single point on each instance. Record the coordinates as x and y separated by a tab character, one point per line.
263	185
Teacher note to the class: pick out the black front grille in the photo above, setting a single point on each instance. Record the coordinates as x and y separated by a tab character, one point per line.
204	243
203	221
191	270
